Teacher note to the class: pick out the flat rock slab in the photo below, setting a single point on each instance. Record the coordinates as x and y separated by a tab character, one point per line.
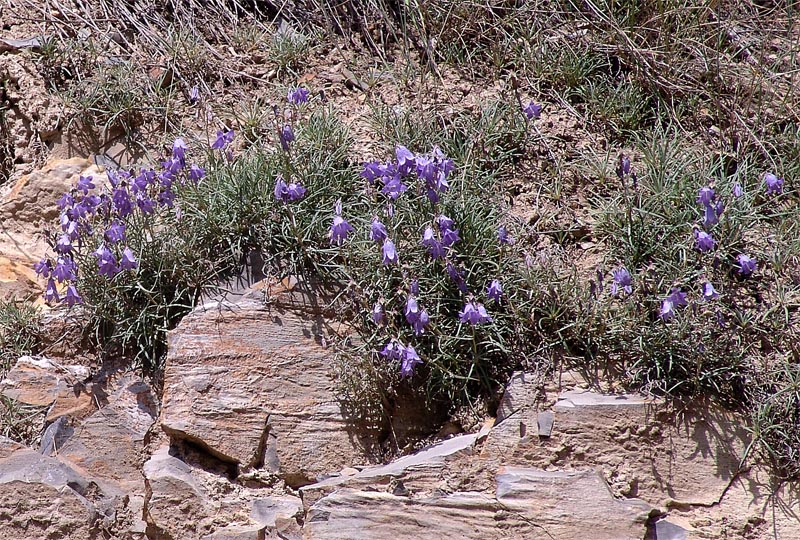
641	447
528	503
252	384
46	383
41	497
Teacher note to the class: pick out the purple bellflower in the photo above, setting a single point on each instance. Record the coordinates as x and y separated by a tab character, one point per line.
709	292
389	253
116	232
128	261
297	96
409	361
340	228
704	241
502	235
494	290
737	190
106	262
774	184
286	136
435	248
85	184
224	138
377	231
71	296
51	292
378	315
474	313
532	110
747	265
43	268
621	279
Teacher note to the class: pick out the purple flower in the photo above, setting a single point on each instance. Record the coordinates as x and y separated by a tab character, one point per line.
413	288
128	261
412	310
474	313
145	203
224	138
71	297
747	265
532	110
711	214
64	245
706	196
426	168
297	96
340	228
624	166
373	170
405	159
378	316
65	270
421	323
621	280
737	190
774	184
389	253
179	149
675	299
116	232
392	350
449	234
435	248
704	241
85	184
377	231
281	189
495	290
450	237
296	191
286	136
409	362
166	198
171	167
66	201
194	94
106	262
502	235
667	310
456	276
196	173
709	293
394	187
51	292
122	202
43	268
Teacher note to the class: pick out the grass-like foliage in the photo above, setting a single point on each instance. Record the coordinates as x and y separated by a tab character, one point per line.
19	332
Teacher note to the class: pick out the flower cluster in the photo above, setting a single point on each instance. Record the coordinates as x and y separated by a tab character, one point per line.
433	169
99	215
428	175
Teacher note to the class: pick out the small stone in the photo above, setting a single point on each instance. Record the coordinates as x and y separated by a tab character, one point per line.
546	420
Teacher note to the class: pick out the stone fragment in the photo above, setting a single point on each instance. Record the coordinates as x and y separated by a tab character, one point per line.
252	384
41	497
108	444
43	382
546	497
545	421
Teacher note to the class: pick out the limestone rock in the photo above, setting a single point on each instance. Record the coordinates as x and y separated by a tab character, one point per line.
252	383
186	502
41	497
548	496
43	382
641	447
109	443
